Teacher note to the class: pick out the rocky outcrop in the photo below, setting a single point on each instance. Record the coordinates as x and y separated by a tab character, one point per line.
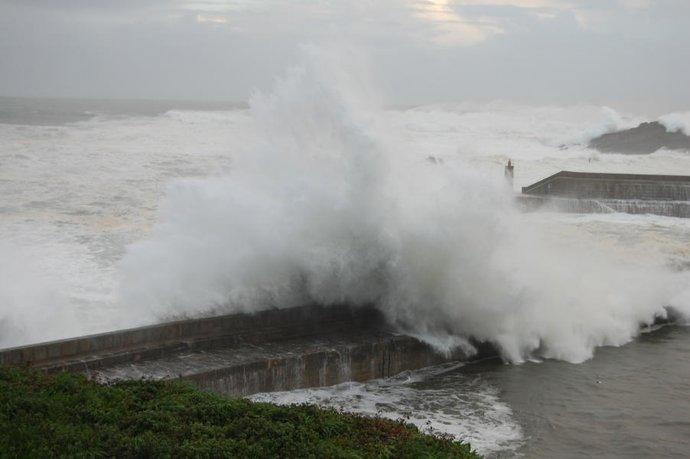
643	139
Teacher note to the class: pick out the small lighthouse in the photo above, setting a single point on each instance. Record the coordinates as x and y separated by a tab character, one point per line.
508	172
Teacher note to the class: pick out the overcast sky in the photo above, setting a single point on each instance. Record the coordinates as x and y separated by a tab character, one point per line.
630	54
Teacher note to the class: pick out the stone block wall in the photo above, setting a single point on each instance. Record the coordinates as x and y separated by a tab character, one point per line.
584	185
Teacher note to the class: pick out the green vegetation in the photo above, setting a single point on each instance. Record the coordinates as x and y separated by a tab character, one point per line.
66	415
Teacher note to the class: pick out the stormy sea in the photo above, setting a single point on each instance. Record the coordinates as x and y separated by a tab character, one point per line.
122	213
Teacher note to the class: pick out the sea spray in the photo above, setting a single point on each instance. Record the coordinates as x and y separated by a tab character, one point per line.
676	122
32	306
332	208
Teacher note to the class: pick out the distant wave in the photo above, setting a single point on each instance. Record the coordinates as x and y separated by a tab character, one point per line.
674	122
200	116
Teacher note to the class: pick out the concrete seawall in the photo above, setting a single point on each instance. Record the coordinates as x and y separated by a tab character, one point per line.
680	209
584	192
241	354
586	185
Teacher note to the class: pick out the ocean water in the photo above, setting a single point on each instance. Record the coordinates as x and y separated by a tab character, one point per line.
629	401
117	214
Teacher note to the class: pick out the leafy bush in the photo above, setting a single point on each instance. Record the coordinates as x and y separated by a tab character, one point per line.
67	415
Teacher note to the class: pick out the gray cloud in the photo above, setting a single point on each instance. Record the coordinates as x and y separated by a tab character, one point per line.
633	54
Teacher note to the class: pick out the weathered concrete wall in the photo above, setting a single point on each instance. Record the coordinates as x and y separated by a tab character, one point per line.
192	334
287	365
680	209
584	185
243	353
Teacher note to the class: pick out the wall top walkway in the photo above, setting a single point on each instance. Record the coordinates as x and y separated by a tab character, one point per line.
606	176
204	333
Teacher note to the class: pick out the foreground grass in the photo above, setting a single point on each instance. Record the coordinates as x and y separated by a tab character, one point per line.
66	415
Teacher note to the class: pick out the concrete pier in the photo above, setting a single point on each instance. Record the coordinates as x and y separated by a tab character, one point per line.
584	192
240	354
679	209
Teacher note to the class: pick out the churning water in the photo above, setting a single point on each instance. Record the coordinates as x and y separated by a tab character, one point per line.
121	214
630	401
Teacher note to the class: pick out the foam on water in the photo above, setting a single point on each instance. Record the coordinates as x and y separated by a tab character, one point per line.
468	409
73	196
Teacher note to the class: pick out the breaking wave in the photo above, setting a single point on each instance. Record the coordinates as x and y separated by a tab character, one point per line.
676	122
333	206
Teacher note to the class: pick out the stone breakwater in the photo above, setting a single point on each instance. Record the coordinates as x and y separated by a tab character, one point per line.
680	209
241	354
584	192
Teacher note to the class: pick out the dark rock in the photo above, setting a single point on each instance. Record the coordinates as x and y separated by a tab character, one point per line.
643	139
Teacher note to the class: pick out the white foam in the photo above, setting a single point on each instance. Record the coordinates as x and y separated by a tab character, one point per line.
72	197
676	122
469	409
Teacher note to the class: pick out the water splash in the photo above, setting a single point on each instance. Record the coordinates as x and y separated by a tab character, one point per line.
333	207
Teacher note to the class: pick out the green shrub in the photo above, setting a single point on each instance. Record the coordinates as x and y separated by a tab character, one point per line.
67	415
